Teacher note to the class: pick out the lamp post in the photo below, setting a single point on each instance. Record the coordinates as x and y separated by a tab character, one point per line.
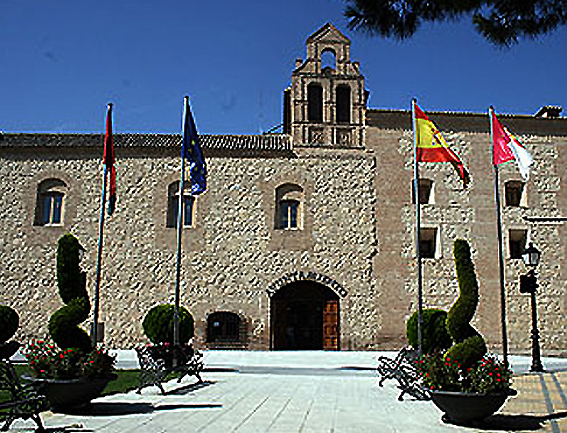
528	284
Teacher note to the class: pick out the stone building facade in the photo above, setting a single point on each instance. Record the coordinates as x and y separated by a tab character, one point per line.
304	239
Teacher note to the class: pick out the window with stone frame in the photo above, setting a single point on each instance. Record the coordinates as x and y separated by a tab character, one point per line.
49	202
173	207
425	188
288	214
224	327
515	193
517	239
428	243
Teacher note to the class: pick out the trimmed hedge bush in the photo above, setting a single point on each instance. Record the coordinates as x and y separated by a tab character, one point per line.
63	324
9	322
434	332
158	324
469	345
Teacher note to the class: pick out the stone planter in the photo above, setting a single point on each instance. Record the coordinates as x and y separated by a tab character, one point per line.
71	393
464	408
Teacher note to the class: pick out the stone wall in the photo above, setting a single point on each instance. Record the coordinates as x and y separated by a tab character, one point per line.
229	259
470	215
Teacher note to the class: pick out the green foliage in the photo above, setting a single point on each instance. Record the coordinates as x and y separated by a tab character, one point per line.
487	375
63	324
434	332
469	346
9	322
47	361
158	324
502	23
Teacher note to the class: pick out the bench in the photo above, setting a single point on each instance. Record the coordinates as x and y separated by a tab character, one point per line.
402	369
17	400
154	369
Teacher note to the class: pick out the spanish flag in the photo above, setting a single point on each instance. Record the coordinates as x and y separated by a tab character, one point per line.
432	147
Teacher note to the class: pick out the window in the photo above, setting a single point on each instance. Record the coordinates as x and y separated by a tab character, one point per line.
288	207
428	243
343	104
173	207
517	242
223	326
425	191
49	202
314	102
514	193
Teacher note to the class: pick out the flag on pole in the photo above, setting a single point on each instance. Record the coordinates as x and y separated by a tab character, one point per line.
506	147
108	160
432	147
191	150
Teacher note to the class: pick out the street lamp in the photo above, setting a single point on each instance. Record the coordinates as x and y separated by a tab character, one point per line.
528	284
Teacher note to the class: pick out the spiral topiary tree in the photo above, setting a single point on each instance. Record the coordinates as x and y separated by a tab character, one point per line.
158	324
469	345
71	280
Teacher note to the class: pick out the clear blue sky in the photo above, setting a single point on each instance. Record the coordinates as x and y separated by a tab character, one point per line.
61	61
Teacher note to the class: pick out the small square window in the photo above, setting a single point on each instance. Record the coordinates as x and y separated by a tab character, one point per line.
517	243
428	243
514	193
425	191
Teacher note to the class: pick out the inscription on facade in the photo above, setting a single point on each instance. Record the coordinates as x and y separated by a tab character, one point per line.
306	276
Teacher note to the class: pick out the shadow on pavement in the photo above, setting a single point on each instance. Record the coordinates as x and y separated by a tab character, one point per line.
190	388
122	408
513	422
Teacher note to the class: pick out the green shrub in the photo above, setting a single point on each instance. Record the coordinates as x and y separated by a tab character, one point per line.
9	322
63	324
158	324
434	332
469	345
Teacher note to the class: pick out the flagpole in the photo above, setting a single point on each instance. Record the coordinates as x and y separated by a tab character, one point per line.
176	335
500	248
417	231
100	237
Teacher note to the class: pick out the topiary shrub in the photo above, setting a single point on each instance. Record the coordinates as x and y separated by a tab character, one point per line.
158	324
9	322
469	347
434	333
63	324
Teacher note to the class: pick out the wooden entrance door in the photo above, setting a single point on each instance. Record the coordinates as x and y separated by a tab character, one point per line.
331	325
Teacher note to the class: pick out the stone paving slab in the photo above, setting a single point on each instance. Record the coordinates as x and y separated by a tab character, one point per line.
299	398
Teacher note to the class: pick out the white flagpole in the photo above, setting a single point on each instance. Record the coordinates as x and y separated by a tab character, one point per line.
417	231
94	332
500	245
176	335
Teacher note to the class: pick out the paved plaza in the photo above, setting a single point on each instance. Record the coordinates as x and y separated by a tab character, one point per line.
305	392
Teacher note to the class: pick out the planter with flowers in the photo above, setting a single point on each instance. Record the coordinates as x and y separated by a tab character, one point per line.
67	369
464	381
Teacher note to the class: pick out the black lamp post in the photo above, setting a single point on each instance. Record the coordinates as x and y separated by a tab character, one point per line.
528	284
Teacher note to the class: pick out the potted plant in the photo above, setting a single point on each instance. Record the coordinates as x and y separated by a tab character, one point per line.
67	369
465	382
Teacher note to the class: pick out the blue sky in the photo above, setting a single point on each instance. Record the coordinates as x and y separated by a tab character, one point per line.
61	61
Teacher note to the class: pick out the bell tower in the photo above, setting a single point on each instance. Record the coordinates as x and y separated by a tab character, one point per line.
326	103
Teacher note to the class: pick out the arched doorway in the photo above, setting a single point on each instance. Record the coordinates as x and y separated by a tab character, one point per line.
305	316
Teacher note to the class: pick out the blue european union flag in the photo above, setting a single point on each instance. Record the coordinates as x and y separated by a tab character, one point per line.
191	150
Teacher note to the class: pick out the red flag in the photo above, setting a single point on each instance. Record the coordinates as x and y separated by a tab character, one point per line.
501	152
108	160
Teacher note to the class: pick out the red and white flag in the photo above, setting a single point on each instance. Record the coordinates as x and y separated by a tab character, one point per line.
506	147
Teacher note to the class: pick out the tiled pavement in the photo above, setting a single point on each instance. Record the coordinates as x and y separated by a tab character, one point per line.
271	394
